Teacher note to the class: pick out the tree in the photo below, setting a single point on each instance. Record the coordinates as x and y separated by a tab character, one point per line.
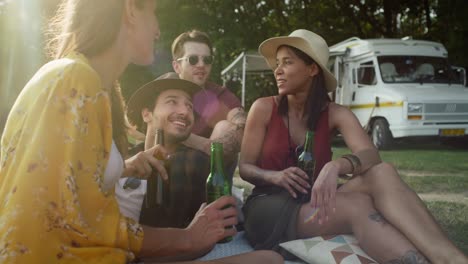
241	25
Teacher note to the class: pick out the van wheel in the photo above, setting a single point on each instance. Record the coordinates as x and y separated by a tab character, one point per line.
381	135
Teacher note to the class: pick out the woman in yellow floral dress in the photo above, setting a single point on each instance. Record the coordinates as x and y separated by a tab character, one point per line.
66	134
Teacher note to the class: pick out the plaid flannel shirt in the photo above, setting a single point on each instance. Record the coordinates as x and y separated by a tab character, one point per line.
188	170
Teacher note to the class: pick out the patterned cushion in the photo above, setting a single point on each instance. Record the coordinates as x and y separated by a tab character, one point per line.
342	249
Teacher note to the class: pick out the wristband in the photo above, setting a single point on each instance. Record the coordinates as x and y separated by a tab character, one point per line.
355	162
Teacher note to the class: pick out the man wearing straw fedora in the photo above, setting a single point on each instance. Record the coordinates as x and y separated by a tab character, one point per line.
166	103
390	222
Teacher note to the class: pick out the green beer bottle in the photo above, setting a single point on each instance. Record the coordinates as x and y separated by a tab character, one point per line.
306	162
217	183
156	188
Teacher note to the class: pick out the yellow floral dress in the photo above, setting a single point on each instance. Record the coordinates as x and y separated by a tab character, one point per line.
54	153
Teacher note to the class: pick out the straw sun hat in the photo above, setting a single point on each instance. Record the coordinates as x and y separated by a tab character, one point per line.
306	41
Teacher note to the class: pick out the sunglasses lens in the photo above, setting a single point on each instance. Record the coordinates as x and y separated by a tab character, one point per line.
193	60
208	60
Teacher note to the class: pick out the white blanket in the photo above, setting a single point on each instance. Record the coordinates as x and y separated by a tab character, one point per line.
238	245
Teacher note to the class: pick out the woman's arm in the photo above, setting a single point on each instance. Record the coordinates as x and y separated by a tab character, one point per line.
357	140
252	143
364	156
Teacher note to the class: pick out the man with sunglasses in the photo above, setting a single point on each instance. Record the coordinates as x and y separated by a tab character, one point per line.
219	114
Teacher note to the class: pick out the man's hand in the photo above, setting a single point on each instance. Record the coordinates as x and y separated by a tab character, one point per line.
210	222
143	163
207	228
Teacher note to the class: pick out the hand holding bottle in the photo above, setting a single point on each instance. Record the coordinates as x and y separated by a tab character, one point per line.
144	163
157	191
306	162
210	222
293	179
217	183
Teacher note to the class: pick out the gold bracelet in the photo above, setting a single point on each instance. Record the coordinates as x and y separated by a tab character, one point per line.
355	162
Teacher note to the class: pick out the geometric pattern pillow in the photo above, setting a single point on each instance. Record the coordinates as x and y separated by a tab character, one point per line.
339	249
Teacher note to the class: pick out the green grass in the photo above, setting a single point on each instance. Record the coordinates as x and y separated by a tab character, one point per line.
453	217
437	184
443	160
428	160
446	168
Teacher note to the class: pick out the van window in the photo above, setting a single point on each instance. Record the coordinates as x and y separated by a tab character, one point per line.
416	69
459	75
366	74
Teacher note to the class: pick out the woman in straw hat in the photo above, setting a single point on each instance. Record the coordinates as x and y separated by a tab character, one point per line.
389	220
63	146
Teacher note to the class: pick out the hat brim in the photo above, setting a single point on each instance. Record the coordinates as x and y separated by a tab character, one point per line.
269	47
147	94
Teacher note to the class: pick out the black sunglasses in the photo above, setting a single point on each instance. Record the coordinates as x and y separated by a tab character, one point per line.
193	59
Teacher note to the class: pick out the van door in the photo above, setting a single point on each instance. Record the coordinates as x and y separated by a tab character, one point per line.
363	94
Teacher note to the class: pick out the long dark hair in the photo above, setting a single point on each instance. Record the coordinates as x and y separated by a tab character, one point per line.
317	98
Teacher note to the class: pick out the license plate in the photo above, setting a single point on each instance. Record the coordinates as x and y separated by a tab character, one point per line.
451	132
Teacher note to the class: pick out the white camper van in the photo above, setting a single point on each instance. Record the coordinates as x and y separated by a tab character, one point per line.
400	88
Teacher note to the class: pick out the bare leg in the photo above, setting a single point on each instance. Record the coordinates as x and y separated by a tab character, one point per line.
255	257
355	214
403	209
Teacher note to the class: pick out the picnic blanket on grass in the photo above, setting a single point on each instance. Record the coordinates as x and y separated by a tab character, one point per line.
339	249
238	245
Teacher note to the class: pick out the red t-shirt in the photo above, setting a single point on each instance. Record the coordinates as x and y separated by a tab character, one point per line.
212	105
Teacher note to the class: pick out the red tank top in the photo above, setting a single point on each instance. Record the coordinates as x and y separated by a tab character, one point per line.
277	154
